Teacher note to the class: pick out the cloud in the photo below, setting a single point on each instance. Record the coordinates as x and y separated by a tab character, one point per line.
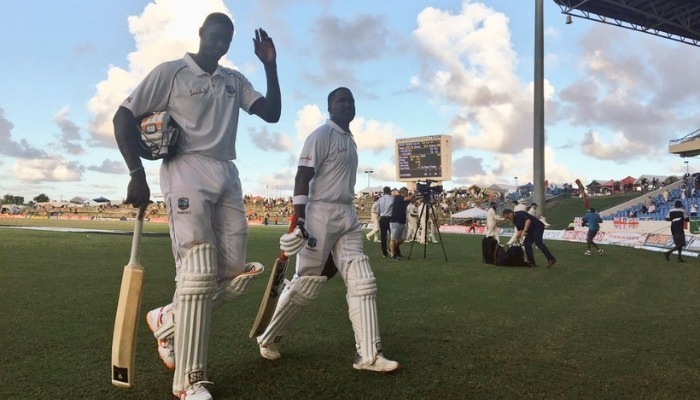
308	119
374	135
342	45
49	169
109	167
469	64
70	132
12	148
631	103
270	141
620	148
164	31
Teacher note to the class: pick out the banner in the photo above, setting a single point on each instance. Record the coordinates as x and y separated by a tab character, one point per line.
623	223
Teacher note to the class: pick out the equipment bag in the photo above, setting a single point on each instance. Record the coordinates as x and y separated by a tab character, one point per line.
488	249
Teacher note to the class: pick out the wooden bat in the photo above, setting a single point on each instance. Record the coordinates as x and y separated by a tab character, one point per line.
584	195
126	320
273	290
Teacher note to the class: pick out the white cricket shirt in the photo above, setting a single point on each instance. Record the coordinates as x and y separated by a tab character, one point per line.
332	153
205	106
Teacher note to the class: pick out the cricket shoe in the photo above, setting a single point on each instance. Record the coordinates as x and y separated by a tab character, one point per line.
270	352
587	253
156	320
381	364
600	251
195	392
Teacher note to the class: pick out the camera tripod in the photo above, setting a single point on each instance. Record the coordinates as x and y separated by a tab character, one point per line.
427	216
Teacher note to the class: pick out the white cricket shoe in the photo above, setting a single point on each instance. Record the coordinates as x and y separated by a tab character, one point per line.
195	392
587	253
381	364
600	251
166	348
270	352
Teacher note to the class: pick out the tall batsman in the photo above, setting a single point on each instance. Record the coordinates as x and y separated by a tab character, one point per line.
328	224
201	187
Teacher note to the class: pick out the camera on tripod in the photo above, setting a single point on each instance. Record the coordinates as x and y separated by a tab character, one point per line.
426	188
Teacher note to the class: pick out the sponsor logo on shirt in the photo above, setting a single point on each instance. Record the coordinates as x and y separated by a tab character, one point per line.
199	92
230	90
307	158
183	203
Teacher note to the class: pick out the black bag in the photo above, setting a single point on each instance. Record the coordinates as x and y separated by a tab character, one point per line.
488	249
513	257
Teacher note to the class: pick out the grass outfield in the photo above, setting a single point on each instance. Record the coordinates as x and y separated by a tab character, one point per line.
624	325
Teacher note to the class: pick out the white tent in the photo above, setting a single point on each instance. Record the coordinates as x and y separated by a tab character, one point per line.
472	213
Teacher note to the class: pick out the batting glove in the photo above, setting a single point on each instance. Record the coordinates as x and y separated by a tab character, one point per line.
292	243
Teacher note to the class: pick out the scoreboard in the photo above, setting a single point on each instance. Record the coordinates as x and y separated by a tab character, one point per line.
424	158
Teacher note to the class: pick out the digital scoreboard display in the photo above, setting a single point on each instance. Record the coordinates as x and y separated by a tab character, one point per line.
424	158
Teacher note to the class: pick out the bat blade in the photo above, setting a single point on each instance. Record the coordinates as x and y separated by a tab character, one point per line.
125	326
273	290
272	293
126	319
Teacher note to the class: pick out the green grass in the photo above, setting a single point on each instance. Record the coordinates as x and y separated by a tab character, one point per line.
619	326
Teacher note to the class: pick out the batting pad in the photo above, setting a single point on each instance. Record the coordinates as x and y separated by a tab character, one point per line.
362	308
297	295
238	286
196	285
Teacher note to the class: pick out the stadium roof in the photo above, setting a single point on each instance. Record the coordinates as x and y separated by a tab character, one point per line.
677	20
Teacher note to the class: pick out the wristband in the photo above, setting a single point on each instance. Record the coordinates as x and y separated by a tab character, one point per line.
135	170
300	199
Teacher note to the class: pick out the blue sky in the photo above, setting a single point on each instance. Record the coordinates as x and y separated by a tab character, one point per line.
614	97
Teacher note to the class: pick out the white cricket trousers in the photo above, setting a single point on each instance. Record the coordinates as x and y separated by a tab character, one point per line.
205	205
332	227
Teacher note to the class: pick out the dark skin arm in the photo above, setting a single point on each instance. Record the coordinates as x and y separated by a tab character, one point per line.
126	132
269	108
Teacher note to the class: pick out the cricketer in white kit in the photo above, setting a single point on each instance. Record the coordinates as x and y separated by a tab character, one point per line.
323	195
201	187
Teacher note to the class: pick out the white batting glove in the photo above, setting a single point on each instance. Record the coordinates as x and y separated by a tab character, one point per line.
292	243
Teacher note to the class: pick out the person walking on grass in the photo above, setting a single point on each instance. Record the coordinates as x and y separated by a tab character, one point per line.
202	188
678	218
328	225
593	221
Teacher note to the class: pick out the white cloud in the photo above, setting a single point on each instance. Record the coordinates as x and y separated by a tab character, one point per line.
470	64
49	169
309	118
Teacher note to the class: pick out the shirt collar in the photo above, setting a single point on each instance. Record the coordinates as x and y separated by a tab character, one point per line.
196	68
336	127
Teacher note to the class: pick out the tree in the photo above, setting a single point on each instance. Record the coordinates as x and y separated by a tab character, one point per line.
11	199
42	198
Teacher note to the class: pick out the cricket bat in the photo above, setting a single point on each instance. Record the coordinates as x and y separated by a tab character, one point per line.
584	195
272	293
126	320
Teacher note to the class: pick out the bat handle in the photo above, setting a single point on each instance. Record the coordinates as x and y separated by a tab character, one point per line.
136	239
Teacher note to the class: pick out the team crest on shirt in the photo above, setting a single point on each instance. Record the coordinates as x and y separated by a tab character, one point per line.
230	90
183	203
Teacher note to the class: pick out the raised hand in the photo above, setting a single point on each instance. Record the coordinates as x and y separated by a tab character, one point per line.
264	47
